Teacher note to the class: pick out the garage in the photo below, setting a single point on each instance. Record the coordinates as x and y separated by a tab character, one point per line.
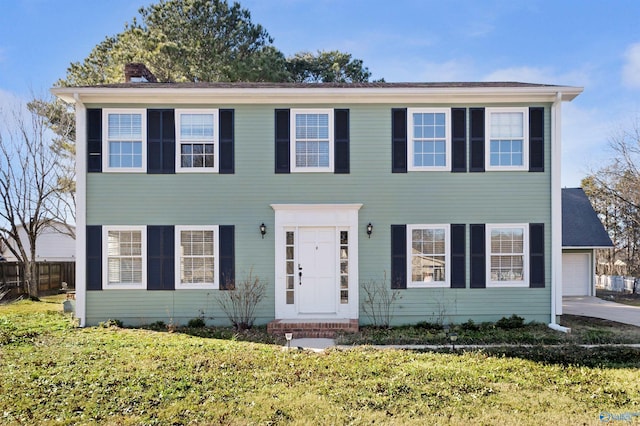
576	274
582	234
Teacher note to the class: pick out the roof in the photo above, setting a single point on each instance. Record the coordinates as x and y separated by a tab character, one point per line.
256	92
581	227
289	85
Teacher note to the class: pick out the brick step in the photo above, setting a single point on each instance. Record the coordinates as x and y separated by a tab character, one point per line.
312	328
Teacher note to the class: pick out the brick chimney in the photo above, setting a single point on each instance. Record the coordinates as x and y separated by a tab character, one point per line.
137	72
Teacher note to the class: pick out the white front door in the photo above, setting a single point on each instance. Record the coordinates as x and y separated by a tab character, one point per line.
316	255
317	270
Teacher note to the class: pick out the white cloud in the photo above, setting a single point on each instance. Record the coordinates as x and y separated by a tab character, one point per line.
631	68
585	148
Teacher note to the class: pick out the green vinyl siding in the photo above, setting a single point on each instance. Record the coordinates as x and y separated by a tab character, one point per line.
243	199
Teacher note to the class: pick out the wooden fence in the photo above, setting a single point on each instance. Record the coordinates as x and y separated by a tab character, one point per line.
51	275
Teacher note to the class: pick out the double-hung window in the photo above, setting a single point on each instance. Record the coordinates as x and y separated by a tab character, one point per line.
507	130
124	263
429	132
197	142
125	140
428	255
507	255
312	141
197	260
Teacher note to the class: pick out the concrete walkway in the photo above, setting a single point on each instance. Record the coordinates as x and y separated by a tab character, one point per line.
311	344
588	306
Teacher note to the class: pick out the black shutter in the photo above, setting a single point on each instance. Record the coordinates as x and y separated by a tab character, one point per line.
94	257
536	139
227	256
282	124
226	131
478	263
94	140
477	141
458	253
536	255
399	140
398	256
161	141
459	140
341	137
160	257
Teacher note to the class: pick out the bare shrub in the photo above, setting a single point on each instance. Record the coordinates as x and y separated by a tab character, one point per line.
379	301
239	303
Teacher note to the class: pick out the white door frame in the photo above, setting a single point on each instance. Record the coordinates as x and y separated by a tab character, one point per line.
338	216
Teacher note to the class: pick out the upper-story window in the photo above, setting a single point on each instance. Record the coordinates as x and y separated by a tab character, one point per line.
428	255
507	130
125	142
429	132
196	132
312	141
507	255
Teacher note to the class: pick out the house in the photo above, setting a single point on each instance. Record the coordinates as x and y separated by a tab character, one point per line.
54	244
448	193
582	234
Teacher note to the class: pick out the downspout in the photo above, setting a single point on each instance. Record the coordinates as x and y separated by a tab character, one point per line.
81	204
556	214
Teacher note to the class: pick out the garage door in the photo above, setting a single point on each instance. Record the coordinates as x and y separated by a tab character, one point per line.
576	274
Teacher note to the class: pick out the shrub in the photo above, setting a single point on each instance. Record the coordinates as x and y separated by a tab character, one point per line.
469	326
240	302
510	323
110	323
434	326
196	323
158	325
379	302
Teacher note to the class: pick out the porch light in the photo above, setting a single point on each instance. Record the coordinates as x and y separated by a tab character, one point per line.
369	229
263	229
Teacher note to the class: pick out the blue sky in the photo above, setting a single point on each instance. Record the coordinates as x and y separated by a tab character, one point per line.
594	44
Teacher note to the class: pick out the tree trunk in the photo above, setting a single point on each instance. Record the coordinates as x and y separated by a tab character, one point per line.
31	278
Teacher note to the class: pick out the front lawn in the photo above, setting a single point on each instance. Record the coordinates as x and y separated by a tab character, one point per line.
53	373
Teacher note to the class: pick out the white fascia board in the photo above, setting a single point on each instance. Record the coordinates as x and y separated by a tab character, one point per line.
355	95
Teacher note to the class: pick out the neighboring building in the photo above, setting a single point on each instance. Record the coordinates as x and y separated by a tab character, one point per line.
54	244
582	234
55	257
449	190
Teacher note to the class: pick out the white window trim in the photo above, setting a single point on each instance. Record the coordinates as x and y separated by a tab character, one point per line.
105	258
525	270
216	257
410	152
525	143
105	140
216	141
447	259
292	141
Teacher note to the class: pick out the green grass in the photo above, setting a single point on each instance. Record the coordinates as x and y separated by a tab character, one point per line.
53	373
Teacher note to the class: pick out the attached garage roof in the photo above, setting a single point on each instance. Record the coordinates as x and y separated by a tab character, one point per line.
581	227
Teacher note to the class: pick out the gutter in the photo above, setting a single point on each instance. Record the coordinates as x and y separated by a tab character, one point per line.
556	211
